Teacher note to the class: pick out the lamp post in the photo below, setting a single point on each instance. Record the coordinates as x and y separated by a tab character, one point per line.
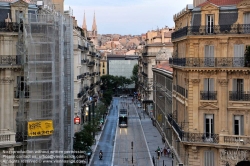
132	152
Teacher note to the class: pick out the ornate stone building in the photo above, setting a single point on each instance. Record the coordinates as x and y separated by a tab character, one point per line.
158	48
211	99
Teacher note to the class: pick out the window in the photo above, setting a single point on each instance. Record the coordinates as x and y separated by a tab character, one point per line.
239	50
246	21
210	23
103	64
103	72
209	127
209	158
238	125
208	93
238	88
209	56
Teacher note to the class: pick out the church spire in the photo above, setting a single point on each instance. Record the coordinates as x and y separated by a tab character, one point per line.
94	27
84	25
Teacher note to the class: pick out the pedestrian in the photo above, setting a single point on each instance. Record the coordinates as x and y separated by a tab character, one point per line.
161	151
165	151
168	151
153	160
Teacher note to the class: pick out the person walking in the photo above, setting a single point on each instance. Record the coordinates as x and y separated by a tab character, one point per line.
161	151
168	151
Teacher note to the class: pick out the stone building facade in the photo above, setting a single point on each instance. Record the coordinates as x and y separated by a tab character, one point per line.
158	48
211	103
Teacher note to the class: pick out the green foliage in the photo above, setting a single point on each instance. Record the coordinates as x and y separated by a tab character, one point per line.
134	76
110	84
84	138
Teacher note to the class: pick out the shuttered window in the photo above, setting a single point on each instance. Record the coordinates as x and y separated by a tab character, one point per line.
208	84
209	56
209	158
239	50
246	18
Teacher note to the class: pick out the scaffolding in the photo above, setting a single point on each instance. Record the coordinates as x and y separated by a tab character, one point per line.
46	90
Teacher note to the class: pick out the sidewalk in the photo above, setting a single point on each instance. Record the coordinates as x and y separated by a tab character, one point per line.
154	139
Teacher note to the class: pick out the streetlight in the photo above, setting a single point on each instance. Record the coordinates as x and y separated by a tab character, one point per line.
132	152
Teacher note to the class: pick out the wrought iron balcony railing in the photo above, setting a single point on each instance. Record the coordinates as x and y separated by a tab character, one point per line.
81	76
9	27
239	96
208	62
208	95
201	137
79	95
10	60
175	126
92	63
181	90
211	30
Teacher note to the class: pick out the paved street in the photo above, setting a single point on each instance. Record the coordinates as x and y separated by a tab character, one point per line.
115	142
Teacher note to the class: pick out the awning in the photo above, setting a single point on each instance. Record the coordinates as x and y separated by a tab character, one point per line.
147	101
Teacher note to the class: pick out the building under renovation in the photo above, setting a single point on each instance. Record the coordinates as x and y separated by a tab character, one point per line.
37	65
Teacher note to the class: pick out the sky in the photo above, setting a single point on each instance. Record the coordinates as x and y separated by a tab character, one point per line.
126	17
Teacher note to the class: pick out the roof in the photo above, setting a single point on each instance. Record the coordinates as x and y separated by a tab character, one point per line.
220	2
164	66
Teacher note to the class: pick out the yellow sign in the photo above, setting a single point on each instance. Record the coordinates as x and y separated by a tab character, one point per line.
40	128
159	117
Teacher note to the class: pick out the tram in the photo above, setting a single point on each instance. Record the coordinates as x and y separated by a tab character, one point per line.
123	118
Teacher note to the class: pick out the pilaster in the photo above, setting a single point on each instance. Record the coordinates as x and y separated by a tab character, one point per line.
223	93
195	99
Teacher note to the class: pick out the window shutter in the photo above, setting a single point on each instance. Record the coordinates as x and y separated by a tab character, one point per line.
207	51
211	51
205	84
247	18
234	84
211	84
242	125
209	158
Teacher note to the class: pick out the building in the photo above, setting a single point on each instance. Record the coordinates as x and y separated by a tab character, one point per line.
162	99
86	75
158	48
122	65
210	118
92	34
36	77
103	64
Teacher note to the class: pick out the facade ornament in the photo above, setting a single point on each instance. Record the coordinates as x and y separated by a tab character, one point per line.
6	80
195	81
209	42
223	82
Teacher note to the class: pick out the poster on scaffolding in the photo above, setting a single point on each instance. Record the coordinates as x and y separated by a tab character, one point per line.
40	128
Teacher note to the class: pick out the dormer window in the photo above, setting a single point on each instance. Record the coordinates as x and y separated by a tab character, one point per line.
210	23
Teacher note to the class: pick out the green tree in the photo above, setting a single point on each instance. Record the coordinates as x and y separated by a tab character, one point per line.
134	76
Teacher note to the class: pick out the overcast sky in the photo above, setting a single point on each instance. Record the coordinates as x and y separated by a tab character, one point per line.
126	16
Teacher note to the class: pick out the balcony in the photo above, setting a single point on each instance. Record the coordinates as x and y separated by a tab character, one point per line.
239	96
200	137
79	95
10	60
89	53
208	95
93	54
237	140
181	90
81	76
91	64
7	138
84	61
9	27
176	127
210	62
212	30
